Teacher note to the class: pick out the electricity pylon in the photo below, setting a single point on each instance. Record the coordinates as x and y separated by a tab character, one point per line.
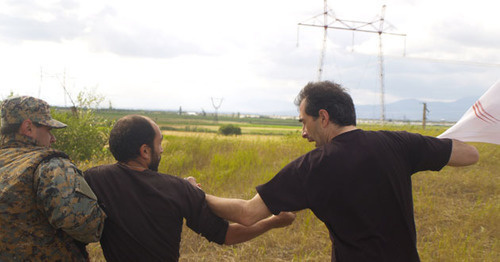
375	26
216	102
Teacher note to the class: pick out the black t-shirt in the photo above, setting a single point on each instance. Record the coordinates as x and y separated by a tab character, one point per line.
145	213
359	185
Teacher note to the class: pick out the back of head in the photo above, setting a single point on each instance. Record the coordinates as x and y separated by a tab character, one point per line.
329	96
17	109
127	136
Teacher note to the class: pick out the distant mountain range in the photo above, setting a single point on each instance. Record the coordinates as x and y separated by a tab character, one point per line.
412	109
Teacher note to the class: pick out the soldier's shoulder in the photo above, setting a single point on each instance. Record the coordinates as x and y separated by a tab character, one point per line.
56	162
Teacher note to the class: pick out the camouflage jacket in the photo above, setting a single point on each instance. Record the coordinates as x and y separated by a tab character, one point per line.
45	204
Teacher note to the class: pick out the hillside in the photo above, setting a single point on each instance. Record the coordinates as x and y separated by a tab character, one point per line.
412	109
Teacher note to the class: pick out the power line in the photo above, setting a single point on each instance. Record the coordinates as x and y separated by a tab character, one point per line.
435	60
376	26
449	61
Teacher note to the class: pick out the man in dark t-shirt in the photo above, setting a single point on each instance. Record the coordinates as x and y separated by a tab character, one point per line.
357	182
146	209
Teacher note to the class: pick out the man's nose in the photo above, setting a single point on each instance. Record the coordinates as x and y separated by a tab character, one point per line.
304	133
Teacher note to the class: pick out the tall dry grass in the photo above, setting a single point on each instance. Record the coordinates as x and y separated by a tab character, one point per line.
456	210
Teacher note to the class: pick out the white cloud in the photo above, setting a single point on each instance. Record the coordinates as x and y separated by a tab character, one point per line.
166	54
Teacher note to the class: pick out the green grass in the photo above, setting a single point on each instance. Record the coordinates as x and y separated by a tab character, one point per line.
457	210
170	117
206	124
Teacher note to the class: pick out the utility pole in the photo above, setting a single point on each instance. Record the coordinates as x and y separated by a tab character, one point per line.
323	48
375	26
424	115
328	18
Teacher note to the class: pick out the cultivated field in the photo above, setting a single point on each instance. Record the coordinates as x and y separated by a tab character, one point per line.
457	210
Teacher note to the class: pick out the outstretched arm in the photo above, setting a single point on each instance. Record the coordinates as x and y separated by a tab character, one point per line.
462	154
245	212
237	233
251	216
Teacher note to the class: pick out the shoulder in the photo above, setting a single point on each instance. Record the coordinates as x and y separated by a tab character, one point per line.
56	163
173	179
414	142
180	184
395	136
410	137
110	173
100	169
60	173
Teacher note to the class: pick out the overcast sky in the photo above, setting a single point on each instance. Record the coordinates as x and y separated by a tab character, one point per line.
166	54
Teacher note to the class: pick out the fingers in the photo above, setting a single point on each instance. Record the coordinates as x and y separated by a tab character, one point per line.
284	219
192	181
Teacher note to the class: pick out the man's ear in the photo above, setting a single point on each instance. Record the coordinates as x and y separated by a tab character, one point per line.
26	128
324	117
144	151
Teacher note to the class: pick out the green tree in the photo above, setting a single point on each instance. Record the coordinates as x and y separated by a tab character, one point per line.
86	136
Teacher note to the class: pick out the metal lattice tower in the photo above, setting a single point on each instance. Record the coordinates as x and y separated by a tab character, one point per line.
378	26
216	102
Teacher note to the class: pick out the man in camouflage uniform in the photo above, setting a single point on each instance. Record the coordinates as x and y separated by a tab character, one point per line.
47	210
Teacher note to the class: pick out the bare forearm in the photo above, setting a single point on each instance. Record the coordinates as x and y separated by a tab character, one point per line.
227	208
237	233
245	212
463	154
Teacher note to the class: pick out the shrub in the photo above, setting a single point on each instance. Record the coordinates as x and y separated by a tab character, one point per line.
87	135
229	130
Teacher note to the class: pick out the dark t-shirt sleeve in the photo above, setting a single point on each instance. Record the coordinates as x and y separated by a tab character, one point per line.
428	153
200	218
287	189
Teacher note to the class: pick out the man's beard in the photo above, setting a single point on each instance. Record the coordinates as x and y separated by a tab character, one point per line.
155	160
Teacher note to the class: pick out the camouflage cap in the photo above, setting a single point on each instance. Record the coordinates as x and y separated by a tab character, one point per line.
16	110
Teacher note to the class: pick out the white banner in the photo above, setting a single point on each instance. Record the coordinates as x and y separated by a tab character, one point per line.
481	123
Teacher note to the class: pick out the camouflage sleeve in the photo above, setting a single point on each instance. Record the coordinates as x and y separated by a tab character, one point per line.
67	200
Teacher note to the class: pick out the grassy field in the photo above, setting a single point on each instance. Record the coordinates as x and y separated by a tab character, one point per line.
457	210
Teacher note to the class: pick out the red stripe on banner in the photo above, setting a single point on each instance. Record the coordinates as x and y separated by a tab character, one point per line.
480	111
477	115
485	112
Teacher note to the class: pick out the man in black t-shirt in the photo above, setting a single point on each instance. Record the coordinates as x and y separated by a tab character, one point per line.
357	182
146	209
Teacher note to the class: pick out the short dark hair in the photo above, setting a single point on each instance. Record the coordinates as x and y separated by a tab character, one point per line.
127	136
329	96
